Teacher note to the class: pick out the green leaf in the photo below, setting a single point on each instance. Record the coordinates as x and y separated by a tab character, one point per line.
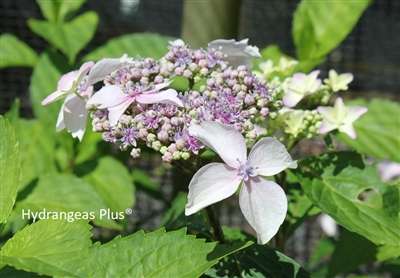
351	192
175	212
362	251
67	193
58	248
378	131
143	45
255	261
49	247
38	145
10	168
113	183
14	52
44	80
7	272
320	26
69	37
57	10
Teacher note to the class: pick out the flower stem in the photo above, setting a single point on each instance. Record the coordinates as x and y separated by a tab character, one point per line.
214	222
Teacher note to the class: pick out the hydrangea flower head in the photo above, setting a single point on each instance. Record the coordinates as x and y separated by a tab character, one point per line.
263	202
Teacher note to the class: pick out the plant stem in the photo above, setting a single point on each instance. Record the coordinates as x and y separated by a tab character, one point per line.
214	222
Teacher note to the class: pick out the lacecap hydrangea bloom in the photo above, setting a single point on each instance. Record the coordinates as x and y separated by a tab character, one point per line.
138	104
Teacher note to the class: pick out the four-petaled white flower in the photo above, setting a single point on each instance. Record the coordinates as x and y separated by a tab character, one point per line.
338	82
76	90
300	86
263	202
113	99
237	52
340	117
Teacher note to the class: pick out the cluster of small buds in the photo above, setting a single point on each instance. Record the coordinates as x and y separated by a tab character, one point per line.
217	92
300	123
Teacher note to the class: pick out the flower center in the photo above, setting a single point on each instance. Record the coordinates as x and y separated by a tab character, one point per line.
246	171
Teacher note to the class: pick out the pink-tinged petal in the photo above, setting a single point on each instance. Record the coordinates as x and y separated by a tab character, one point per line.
60	125
54	97
328	225
237	52
161	86
169	96
389	170
326	127
108	96
75	116
115	112
264	205
269	157
355	112
103	68
290	99
227	142
212	183
85	68
349	130
67	80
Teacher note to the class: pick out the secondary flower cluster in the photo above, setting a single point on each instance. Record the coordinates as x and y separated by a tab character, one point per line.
300	96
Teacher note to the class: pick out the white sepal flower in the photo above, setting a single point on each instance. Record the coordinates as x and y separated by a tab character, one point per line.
263	202
338	82
340	117
237	52
300	86
106	66
76	90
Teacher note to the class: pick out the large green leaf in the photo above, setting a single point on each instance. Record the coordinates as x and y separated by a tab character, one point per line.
43	82
57	10
38	150
320	26
143	45
66	193
113	183
10	168
14	52
49	247
69	37
362	251
378	131
58	248
352	193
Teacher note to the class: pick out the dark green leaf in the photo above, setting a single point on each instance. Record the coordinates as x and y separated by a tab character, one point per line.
362	251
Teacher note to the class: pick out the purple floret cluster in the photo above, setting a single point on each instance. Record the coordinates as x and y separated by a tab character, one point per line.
212	91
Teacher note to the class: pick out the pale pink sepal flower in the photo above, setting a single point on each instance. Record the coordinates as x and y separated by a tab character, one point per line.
113	99
73	113
106	66
340	117
300	86
263	202
237	52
